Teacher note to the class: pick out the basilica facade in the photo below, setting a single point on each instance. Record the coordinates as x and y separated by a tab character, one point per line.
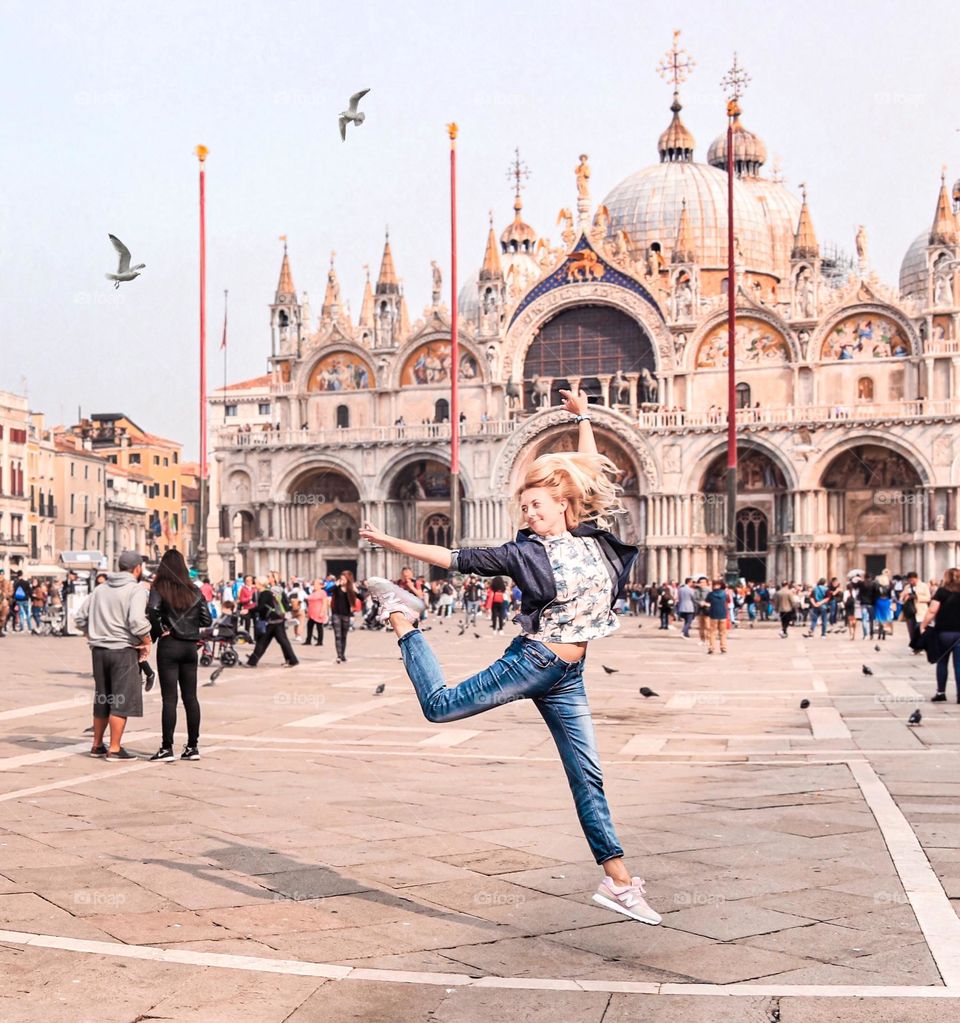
848	389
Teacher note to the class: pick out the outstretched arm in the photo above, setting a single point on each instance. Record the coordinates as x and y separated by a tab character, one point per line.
432	554
577	404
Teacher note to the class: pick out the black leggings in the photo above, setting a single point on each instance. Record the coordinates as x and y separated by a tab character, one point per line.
177	665
311	625
341	626
498	615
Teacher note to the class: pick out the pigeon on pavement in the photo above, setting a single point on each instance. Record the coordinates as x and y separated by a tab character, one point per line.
804	704
646	692
915	717
876	646
380	688
609	671
866	670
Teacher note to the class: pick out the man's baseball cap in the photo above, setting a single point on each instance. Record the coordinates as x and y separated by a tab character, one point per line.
129	560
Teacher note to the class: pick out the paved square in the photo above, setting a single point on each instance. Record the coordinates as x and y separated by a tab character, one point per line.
336	856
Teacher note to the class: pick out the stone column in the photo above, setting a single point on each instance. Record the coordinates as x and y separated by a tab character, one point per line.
633	378
797	571
605	389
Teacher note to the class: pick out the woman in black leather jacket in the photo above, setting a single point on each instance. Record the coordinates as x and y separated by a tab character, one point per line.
177	611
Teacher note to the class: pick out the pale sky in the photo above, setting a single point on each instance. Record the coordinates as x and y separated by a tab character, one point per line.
105	101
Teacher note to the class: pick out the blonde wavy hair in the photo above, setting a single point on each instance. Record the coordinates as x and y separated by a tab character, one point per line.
587	482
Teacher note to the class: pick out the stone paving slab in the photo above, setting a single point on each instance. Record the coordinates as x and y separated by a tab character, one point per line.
350	842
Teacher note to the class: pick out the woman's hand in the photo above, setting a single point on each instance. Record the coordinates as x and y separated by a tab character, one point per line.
375	536
575	403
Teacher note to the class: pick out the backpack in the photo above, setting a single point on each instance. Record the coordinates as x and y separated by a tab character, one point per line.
20	593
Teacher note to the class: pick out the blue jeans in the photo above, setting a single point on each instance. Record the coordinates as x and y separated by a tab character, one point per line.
687	617
821	613
24	620
868	615
527	670
470	608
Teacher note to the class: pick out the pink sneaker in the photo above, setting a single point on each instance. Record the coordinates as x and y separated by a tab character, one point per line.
626	899
391	597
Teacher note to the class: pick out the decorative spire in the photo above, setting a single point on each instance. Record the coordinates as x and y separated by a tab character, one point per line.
944	230
749	152
331	300
387	282
285	285
676	143
491	269
805	240
366	309
518	237
403	329
683	246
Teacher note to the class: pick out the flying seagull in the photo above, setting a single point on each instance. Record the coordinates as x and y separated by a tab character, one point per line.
646	692
351	113
125	272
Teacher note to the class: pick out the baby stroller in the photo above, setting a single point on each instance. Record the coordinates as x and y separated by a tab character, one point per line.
219	643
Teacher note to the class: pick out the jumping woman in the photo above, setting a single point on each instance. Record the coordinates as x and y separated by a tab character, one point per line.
571	572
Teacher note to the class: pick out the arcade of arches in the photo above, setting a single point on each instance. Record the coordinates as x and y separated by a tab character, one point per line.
872	500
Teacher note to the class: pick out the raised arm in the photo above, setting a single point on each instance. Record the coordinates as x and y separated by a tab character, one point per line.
577	404
431	553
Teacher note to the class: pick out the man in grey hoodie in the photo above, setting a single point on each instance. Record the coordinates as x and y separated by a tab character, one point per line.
114	617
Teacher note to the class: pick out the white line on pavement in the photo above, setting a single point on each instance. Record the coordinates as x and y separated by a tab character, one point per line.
349	711
84	700
826	723
296	967
934	912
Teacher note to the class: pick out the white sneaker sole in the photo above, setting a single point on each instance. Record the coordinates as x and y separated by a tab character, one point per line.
602	900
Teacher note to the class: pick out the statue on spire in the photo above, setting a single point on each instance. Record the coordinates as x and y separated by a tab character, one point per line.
582	171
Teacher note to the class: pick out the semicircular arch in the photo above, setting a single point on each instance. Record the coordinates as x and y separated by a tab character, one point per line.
863	333
523	331
763	339
425	361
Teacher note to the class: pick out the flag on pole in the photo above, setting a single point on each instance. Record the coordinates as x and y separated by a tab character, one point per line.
223	340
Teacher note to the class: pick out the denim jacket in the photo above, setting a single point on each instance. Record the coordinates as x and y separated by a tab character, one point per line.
525	560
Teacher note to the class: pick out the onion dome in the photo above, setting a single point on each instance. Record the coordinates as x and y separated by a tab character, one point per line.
518	236
749	152
676	143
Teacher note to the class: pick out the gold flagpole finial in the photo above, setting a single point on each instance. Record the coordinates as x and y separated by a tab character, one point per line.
201	152
452	130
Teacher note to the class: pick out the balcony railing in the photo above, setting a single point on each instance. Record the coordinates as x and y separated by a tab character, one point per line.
756	418
15	540
798	415
360	434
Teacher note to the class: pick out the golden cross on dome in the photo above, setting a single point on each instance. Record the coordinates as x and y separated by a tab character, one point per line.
735	80
518	171
676	64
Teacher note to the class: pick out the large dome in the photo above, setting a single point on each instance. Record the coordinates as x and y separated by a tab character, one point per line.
647	206
781	214
913	269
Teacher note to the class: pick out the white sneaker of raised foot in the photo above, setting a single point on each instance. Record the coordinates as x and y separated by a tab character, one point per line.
627	899
390	597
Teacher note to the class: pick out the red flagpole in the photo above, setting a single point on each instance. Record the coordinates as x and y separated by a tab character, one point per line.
732	570
201	552
455	524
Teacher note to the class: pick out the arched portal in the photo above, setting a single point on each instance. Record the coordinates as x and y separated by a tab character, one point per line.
875	504
764	511
321	517
585	344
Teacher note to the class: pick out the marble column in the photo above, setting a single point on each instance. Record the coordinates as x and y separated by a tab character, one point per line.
797	572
